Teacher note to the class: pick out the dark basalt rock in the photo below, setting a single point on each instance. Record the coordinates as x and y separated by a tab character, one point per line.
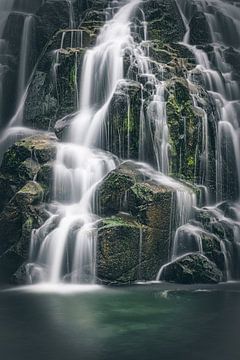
164	21
200	33
51	17
26	176
62	126
127	189
128	251
191	269
22	163
52	93
23	213
121	121
145	230
38	148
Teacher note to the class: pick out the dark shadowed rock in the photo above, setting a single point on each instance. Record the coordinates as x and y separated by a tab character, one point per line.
192	269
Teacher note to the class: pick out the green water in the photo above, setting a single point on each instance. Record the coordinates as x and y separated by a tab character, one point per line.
141	322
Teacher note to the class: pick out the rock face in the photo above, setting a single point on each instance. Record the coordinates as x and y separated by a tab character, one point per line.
134	238
22	193
191	269
128	251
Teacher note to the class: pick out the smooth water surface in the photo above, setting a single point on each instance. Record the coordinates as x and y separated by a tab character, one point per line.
140	322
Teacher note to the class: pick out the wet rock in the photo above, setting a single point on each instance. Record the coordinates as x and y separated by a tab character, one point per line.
213	250
27	160
31	193
200	33
164	21
192	269
138	210
41	148
17	220
122	124
26	176
53	91
51	17
10	261
128	189
45	177
127	251
29	169
62	126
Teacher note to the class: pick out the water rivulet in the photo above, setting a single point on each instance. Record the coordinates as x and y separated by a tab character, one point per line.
141	181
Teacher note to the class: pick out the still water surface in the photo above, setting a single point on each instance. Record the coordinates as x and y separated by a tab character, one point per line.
162	322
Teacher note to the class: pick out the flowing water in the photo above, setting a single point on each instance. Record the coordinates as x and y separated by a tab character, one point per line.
68	251
23	72
79	168
222	19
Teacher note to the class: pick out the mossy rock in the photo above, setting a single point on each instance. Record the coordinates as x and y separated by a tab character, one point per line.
128	251
30	194
39	148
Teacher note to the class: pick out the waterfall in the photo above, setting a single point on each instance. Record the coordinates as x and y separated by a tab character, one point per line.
219	82
69	250
223	20
24	54
5	8
72	24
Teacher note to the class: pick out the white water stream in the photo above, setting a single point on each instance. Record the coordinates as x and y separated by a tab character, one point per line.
222	19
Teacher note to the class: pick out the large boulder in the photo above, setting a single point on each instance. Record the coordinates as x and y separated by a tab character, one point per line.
134	237
191	269
25	161
128	251
130	190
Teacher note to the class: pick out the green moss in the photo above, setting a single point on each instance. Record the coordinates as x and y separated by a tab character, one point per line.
191	161
116	221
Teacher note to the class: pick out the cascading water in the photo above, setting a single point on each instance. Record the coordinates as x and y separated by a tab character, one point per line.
221	85
67	251
79	167
23	73
5	8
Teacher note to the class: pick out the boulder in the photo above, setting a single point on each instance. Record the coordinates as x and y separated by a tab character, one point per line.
129	189
40	148
128	251
62	126
134	237
191	269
